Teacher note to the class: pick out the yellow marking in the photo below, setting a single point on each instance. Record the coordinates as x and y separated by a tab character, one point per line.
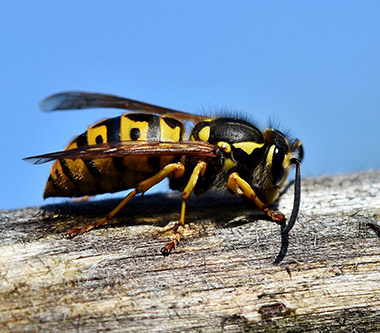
204	133
228	164
286	161
127	124
270	156
224	146
169	134
72	145
94	132
248	146
139	163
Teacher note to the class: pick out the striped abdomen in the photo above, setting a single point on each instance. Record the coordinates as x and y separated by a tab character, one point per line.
76	178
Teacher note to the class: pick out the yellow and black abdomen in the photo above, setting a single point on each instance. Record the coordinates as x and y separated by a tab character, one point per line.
76	178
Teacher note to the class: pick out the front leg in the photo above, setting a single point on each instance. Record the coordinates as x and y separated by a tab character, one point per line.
238	185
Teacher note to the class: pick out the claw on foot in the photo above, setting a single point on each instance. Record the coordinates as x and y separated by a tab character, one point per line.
278	218
165	250
75	232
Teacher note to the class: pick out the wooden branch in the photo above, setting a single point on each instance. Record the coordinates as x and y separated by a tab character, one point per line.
220	278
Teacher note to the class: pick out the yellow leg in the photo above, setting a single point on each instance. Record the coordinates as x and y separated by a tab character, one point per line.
199	169
237	184
177	168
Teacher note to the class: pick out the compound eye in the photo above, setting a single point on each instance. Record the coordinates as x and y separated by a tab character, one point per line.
278	171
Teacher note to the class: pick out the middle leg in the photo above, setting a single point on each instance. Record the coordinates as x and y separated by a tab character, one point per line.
199	169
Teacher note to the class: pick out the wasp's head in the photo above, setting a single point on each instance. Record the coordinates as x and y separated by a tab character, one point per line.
280	154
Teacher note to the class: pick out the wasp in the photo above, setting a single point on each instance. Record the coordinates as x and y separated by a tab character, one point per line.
138	150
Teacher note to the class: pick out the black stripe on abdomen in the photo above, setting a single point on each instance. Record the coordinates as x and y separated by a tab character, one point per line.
113	129
67	172
90	165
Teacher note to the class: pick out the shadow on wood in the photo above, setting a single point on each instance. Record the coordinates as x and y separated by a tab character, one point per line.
219	278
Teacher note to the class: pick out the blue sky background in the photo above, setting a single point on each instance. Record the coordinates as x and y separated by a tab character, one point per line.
314	66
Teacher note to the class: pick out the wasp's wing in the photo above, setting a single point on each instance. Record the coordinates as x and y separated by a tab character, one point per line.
129	148
71	100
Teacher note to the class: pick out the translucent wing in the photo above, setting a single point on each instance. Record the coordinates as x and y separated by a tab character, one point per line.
129	148
71	100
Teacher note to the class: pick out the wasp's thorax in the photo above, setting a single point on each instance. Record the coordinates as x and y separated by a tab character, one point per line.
261	158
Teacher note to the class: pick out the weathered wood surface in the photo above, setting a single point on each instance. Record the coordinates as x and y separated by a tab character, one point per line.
220	278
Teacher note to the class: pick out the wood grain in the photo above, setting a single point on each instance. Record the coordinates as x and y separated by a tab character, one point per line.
220	278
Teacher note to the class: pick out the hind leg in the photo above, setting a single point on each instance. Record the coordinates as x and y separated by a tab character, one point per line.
177	169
